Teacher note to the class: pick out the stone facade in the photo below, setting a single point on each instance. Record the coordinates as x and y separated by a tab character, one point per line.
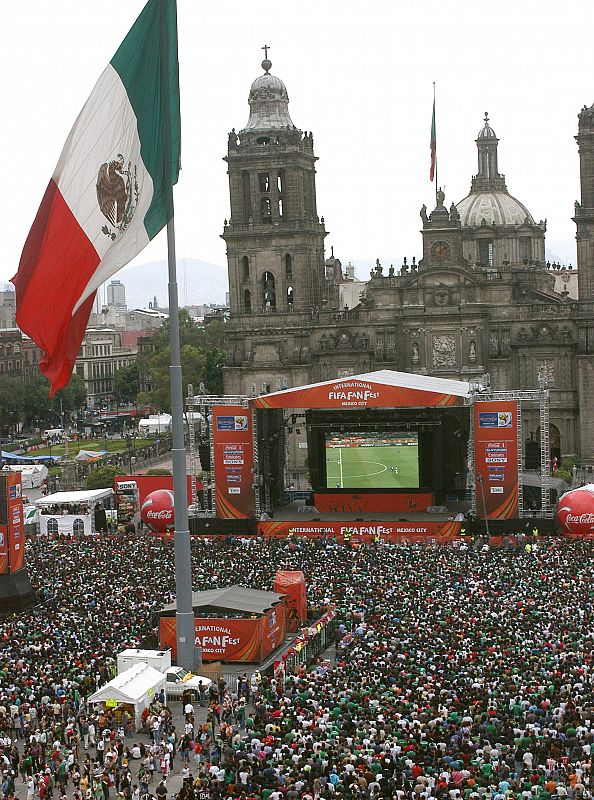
481	299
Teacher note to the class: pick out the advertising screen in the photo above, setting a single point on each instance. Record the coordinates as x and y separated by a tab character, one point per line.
372	460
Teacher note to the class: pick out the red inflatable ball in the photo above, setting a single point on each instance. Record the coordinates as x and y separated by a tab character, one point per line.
157	511
575	511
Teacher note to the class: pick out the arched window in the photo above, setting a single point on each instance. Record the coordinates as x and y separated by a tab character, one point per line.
52	526
78	527
247	302
245	268
290	297
268	292
288	266
265	209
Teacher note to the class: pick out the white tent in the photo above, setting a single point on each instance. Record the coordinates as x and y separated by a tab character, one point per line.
155	423
67	513
136	687
32	475
90	455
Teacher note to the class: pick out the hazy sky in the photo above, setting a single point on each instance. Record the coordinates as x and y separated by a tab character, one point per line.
359	76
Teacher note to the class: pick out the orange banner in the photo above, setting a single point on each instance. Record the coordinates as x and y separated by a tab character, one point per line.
12	533
233	462
496	459
237	640
353	393
356	501
363	531
291	583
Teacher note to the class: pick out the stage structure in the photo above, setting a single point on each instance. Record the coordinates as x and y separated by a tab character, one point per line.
389	455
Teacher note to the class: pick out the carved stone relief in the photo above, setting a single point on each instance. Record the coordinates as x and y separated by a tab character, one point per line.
444	350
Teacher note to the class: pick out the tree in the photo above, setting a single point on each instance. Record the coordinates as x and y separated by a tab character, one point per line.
127	384
12	399
203	352
102	477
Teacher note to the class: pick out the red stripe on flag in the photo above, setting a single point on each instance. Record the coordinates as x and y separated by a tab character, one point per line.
47	288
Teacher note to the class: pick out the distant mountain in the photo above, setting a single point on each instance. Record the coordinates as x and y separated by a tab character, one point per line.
198	282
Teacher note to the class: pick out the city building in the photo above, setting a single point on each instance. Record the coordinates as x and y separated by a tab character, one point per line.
102	354
116	295
480	299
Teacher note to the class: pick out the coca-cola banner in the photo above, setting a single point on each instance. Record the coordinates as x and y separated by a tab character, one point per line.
496	458
233	462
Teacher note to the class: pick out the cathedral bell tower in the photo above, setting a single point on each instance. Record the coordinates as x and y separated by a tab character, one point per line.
584	210
274	238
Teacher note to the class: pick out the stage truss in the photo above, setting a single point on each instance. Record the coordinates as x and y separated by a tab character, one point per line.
482	393
203	404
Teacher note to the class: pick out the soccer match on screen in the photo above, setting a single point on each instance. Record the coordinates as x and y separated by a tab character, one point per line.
383	460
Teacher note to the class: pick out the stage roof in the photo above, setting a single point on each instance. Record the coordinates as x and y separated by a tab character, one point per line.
382	389
232	598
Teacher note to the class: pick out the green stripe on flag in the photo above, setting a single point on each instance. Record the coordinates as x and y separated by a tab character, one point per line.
147	64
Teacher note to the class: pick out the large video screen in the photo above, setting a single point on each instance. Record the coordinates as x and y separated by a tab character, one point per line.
384	460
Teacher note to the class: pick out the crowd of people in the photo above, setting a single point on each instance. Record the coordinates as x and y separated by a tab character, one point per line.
458	673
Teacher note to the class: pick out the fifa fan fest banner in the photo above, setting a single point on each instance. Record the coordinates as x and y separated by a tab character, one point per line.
442	531
353	393
12	531
236	640
496	458
233	462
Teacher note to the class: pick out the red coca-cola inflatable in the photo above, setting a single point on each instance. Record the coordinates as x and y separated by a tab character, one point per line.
575	511
157	511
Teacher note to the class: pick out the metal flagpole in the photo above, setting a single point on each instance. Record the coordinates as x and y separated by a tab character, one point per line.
435	121
184	615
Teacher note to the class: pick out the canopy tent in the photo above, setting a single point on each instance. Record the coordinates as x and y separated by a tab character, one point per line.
136	687
16	457
232	598
73	498
32	475
68	513
233	624
382	389
155	423
90	455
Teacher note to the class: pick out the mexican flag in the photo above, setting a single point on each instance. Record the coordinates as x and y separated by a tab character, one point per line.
110	194
433	146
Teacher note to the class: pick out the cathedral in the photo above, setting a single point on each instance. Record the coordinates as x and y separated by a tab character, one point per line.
480	300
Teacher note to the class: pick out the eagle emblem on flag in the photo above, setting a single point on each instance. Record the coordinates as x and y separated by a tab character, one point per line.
117	194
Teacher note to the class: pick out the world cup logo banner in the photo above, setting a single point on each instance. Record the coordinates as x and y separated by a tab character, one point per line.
575	512
157	512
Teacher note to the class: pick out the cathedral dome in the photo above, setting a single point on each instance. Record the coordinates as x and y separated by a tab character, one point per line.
486	132
498	208
269	103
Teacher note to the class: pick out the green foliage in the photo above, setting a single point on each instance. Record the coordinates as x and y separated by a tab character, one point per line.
12	399
203	352
563	474
127	384
158	471
102	477
29	403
